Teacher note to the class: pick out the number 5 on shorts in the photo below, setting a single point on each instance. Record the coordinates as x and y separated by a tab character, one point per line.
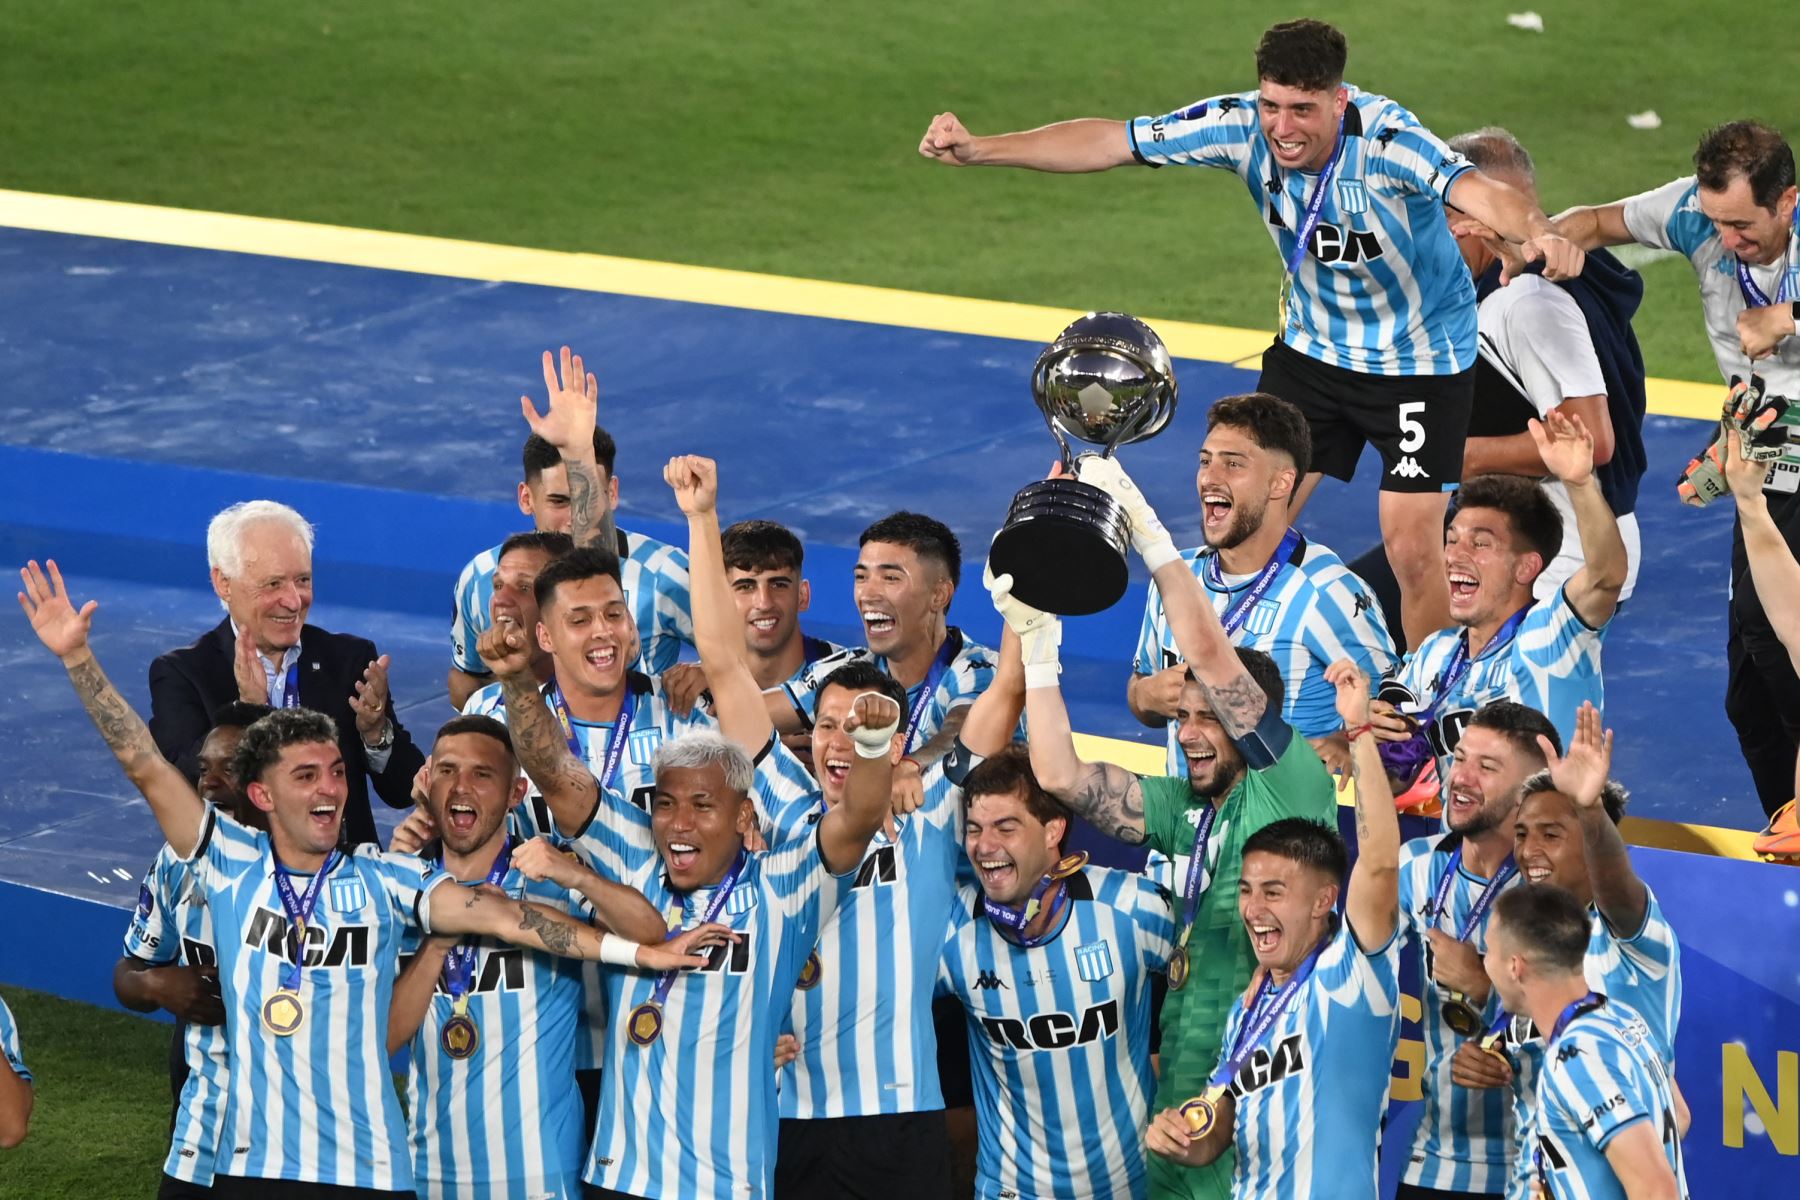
1412	431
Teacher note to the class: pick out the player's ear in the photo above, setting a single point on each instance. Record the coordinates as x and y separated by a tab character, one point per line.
1285	481
221	586
525	504
746	817
259	796
543	637
804	591
612	493
520	785
1325	901
1529	567
942	592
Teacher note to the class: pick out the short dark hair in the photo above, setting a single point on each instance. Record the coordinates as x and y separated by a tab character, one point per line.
583	562
923	535
239	714
1302	841
1008	772
266	738
1613	796
554	544
1493	148
762	546
539	455
1519	724
1748	148
478	723
1548	924
1302	54
1271	422
860	675
1262	670
1535	521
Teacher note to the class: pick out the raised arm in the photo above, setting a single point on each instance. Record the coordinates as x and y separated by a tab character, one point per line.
1581	775
1067	147
1372	902
178	808
845	831
1773	568
1512	215
718	631
573	404
1595	226
995	714
1567	448
567	785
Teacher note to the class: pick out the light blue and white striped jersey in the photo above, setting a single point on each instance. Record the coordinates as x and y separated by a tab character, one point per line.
169	928
1642	974
1463	1142
695	1112
1316	612
1059	1038
319	1106
653	576
622	811
1311	1100
1552	664
1383	290
506	1123
863	1019
968	674
1602	1076
9	1043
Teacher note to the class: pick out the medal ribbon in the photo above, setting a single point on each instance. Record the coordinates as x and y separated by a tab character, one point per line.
1755	297
459	964
1309	221
615	744
928	688
1016	919
666	979
1259	1021
1483	902
299	909
1240	610
1191	891
1459	663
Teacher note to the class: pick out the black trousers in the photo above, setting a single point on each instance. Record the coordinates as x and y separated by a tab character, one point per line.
1762	692
1407	1191
865	1158
236	1187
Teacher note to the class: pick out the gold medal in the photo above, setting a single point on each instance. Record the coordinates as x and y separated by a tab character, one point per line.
1178	968
1068	865
283	1013
460	1037
645	1024
1202	1112
1281	304
811	973
1460	1016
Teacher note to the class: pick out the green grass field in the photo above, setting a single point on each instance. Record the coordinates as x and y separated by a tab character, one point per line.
779	137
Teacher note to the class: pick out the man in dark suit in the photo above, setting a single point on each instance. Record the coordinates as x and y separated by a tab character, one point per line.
263	652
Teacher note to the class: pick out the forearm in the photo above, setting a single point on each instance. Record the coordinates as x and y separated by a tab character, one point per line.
1052	743
462	685
1513	454
412	993
1503	209
1619	893
1593	227
1199	638
135	985
1602	550
521	922
994	716
569	788
590	517
621	909
177	806
1067	147
1373	900
738	700
16	1100
1773	569
845	831
1135	701
939	743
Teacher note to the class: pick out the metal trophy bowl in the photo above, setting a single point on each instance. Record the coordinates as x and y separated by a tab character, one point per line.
1106	380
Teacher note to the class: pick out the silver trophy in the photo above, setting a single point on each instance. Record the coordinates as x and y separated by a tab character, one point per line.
1105	380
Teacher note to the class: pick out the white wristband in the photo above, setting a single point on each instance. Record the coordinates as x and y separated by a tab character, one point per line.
881	749
1159	554
1043	675
617	951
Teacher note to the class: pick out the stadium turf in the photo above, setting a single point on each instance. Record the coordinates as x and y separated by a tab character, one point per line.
780	136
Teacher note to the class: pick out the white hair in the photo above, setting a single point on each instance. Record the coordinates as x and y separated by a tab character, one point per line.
225	532
701	749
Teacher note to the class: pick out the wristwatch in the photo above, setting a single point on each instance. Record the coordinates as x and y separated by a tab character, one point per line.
384	742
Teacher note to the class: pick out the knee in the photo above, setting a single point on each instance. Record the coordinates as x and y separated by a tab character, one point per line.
1415	554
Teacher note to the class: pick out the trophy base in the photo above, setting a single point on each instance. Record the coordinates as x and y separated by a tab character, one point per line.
1064	543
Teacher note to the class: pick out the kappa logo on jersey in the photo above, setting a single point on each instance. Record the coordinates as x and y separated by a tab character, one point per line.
348	896
987	979
1408	468
1266	1066
345	946
1352	198
1054	1030
881	866
1094	961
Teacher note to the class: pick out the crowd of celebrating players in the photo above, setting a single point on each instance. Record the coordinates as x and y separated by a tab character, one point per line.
690	903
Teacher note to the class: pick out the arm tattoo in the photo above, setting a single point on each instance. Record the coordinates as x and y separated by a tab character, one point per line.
589	524
125	732
539	742
557	937
941	742
1362	806
1112	799
1239	703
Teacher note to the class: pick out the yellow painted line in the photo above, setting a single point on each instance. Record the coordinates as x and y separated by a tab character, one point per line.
486	261
489	262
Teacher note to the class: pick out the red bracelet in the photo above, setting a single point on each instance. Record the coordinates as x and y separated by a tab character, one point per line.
1357	731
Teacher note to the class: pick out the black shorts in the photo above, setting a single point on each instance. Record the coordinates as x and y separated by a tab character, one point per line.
172	1188
237	1187
1417	422
864	1158
1407	1191
954	1079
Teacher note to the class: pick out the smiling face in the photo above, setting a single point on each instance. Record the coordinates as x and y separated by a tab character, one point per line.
770	601
269	597
218	775
699	824
1214	764
588	629
303	791
1285	906
1485	774
1746	229
1489	572
473	784
1010	849
1547	843
514	599
1300	125
1237	482
833	749
900	596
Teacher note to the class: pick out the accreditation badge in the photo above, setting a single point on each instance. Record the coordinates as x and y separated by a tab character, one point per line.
283	1013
